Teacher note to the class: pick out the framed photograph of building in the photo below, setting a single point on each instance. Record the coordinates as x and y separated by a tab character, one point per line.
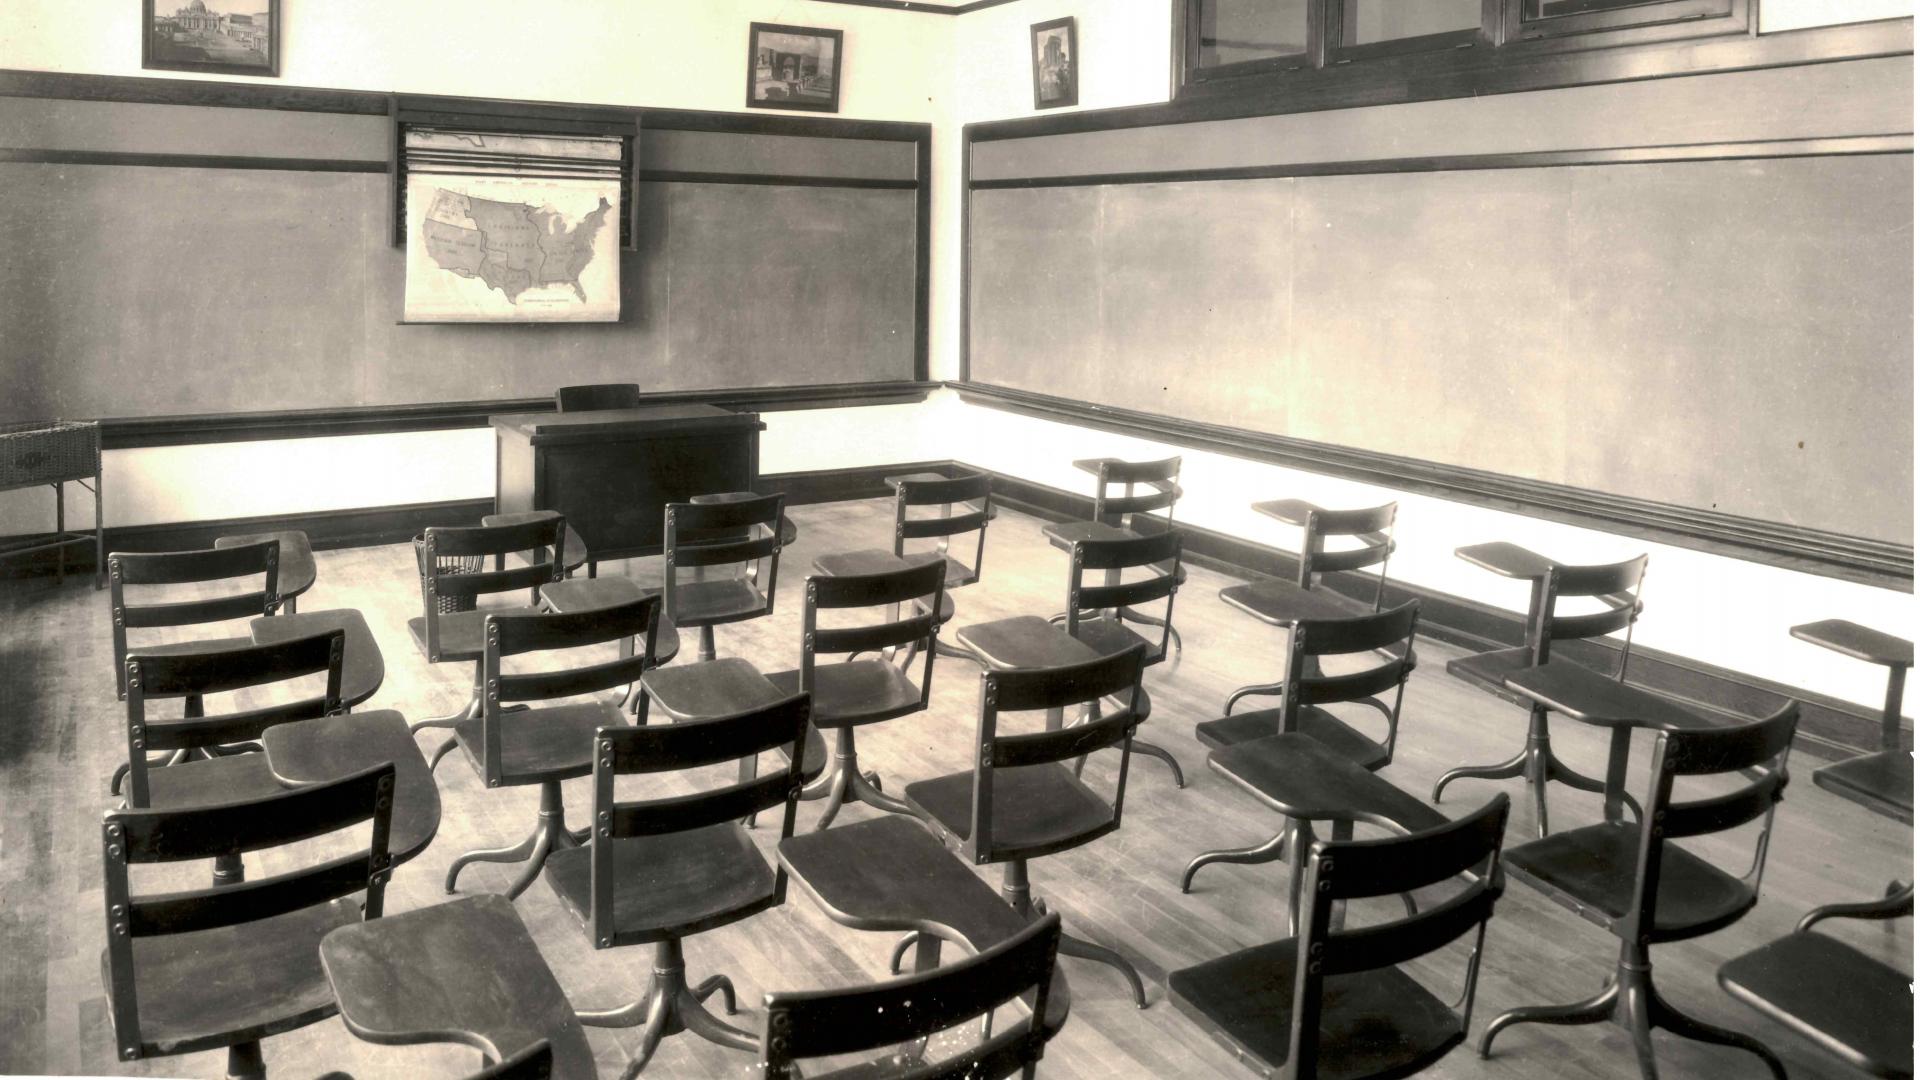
231	37
1056	64
793	67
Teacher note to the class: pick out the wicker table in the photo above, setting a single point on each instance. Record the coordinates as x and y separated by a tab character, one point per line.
39	452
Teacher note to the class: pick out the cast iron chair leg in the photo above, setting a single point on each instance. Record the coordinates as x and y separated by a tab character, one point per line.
549	833
1272	850
1896	904
244	1062
669	1007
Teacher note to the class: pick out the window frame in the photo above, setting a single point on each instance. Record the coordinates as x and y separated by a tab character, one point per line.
1504	36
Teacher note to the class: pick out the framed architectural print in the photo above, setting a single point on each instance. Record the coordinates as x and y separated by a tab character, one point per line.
230	37
793	67
1056	64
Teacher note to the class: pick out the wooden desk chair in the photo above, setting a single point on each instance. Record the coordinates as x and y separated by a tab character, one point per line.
1631	879
1881	781
451	562
1020	802
1097	614
1143	505
592	396
1616	588
1279	602
1335	1003
297	568
1833	995
547	743
819	1023
854	693
185	568
229	966
965	505
1382	642
465	971
742	534
659	870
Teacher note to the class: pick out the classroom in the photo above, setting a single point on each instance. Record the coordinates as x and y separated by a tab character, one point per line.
912	538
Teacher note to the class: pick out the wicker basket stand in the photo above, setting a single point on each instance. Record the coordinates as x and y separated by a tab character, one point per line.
50	453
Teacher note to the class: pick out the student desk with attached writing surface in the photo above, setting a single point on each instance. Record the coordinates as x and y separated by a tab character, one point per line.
612	471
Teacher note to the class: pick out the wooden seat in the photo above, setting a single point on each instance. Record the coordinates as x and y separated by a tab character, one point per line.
237	600
1615	587
1021	801
1333	1003
853	693
1134	572
576	595
362	666
816	1023
1882	781
545	744
231	965
1376	660
590	396
739	533
1632	881
465	971
657	870
1279	602
319	751
451	562
297	568
1833	995
192	676
964	505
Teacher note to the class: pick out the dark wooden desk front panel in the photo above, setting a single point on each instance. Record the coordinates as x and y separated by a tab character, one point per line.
612	472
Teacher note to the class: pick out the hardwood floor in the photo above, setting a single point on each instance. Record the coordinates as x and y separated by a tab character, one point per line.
61	735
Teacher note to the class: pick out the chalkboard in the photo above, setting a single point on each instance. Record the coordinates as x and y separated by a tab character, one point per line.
160	290
1727	335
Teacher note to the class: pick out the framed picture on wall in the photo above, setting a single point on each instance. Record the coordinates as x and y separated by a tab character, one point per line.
793	67
1056	64
231	37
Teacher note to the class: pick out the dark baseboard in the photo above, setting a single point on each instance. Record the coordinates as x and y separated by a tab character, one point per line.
1829	728
841	485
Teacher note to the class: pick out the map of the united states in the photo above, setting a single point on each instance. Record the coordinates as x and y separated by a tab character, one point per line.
509	246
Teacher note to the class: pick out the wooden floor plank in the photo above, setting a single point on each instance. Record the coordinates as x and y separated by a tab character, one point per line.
60	737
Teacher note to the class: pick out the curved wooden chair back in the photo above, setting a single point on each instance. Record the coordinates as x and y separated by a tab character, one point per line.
188	568
1386	638
1111	682
1617	588
453	559
1756	750
1158	554
966	504
741	533
131	836
194	675
517	633
1338	870
690	744
818	1023
1131	506
918	590
597	396
1370	528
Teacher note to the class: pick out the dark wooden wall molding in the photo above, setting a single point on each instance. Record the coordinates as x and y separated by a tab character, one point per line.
1895	143
1849	558
124	433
